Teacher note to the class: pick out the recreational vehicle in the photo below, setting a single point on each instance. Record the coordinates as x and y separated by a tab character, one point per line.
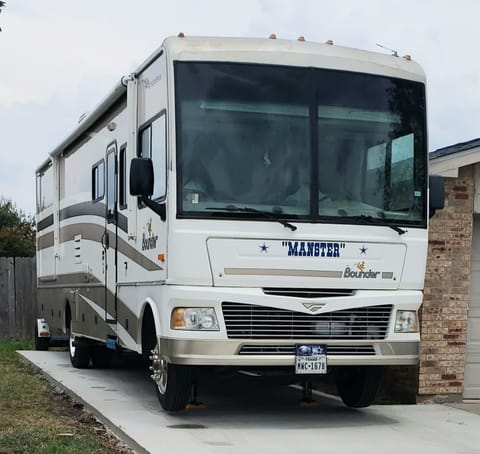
248	203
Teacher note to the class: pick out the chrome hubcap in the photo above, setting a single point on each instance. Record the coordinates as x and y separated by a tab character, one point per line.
159	369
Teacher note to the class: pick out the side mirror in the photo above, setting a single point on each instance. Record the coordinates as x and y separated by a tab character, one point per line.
436	185
141	177
141	184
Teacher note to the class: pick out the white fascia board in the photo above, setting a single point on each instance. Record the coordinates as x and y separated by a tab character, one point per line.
448	166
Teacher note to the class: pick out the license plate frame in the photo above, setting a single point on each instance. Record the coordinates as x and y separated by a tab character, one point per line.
310	359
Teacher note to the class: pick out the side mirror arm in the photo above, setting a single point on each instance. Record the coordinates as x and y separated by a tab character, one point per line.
157	208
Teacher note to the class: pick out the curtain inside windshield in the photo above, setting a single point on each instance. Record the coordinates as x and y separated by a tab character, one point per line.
300	143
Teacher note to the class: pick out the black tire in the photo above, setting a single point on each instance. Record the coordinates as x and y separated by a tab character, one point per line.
101	357
358	385
41	343
173	383
79	352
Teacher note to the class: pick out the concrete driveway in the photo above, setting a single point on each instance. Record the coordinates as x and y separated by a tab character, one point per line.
247	416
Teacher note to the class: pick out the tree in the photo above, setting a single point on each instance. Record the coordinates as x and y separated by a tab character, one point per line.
2	4
17	231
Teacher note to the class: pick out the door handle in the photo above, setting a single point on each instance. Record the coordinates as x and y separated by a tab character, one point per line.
105	240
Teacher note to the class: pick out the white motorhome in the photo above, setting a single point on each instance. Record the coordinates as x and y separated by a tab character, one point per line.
246	203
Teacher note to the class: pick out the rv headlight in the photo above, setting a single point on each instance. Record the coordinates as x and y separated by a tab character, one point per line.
194	318
406	322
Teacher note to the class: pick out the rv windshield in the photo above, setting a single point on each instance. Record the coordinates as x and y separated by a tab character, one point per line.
303	144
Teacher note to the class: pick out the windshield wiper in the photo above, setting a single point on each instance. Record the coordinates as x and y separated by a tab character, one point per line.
375	221
265	214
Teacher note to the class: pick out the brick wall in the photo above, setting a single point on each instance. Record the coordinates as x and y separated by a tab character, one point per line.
446	296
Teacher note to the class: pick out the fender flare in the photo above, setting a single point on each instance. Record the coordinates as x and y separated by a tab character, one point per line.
156	318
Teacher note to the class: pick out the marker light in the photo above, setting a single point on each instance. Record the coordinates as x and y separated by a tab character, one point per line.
406	322
194	318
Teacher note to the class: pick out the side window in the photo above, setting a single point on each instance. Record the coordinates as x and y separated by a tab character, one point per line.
122	178
45	189
153	145
98	181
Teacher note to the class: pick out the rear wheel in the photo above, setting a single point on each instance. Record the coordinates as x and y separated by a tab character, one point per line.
358	385
101	357
173	382
41	343
79	352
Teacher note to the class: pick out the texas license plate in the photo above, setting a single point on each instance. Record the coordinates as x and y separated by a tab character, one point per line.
311	359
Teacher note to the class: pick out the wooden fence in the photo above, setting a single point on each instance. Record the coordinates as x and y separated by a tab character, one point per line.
18	302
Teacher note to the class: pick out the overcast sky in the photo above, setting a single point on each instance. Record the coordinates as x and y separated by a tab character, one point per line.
59	58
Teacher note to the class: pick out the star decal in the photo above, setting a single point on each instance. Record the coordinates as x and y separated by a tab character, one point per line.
263	248
363	250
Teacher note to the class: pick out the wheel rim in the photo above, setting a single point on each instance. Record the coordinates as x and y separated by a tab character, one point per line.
71	344
160	370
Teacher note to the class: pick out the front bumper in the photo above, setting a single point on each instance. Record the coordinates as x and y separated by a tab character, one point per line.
227	352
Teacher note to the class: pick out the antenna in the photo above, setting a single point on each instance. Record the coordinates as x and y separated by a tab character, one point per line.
394	52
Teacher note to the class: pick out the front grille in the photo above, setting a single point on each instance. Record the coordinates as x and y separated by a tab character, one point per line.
339	350
247	321
307	292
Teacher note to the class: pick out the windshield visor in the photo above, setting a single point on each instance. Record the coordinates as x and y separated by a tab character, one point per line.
301	143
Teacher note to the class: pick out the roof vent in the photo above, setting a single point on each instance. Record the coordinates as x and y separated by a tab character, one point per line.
329	42
181	35
272	36
301	38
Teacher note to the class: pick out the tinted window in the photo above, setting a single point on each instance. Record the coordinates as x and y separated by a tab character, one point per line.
98	181
153	145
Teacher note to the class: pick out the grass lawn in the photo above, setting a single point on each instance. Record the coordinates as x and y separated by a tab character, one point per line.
34	418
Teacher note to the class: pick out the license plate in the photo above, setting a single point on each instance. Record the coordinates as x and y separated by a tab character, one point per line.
311	359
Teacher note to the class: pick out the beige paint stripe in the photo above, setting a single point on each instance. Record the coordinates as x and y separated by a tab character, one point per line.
94	232
281	272
45	241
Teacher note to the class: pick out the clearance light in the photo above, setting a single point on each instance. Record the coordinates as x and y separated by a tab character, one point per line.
406	322
161	257
194	318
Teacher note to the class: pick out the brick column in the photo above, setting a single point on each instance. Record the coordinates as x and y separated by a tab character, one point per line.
447	293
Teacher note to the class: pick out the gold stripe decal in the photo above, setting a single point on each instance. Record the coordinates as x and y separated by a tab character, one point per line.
281	272
94	232
45	241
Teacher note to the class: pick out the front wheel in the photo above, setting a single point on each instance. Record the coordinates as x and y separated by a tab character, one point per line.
358	385
79	353
173	382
